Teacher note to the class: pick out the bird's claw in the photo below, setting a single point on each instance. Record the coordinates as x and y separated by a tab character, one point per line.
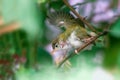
76	51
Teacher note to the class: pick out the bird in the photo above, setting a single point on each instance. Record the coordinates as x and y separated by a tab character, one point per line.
74	36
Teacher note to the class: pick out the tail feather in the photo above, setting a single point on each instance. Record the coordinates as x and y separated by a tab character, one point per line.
67	65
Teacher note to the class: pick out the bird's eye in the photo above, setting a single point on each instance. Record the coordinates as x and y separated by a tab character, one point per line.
56	45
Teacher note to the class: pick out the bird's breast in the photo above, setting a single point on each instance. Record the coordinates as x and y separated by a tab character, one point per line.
74	40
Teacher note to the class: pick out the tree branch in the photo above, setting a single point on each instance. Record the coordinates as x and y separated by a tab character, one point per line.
80	17
1	21
9	28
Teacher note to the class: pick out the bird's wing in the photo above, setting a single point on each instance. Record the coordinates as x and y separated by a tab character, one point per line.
81	33
60	18
79	22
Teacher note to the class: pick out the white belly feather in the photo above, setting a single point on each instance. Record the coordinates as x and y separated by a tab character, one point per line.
76	42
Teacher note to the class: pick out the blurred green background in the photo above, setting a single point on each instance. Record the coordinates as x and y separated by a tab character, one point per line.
25	51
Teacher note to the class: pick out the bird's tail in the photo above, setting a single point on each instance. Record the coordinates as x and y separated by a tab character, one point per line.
67	65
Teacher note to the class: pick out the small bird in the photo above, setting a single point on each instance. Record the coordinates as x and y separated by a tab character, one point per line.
75	34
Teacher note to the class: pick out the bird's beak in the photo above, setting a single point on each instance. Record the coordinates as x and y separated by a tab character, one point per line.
53	51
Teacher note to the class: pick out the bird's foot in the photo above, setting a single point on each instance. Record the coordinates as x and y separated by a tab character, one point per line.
76	51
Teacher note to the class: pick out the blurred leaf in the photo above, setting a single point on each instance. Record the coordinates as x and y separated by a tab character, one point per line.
11	50
26	13
115	30
42	1
112	53
43	57
56	4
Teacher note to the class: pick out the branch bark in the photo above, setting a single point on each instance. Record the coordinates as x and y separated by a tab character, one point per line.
6	28
9	28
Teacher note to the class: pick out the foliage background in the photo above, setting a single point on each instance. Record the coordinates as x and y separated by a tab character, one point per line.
25	52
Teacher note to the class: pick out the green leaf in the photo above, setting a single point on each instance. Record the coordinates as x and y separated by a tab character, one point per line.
115	30
56	4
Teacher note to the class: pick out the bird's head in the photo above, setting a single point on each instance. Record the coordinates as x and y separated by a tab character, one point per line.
58	44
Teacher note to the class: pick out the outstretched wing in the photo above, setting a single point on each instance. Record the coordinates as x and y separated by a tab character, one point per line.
60	19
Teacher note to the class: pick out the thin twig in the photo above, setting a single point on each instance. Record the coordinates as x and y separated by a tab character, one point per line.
79	4
85	45
80	17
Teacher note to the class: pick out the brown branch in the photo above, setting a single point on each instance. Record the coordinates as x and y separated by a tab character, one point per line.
80	17
1	21
85	45
9	28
